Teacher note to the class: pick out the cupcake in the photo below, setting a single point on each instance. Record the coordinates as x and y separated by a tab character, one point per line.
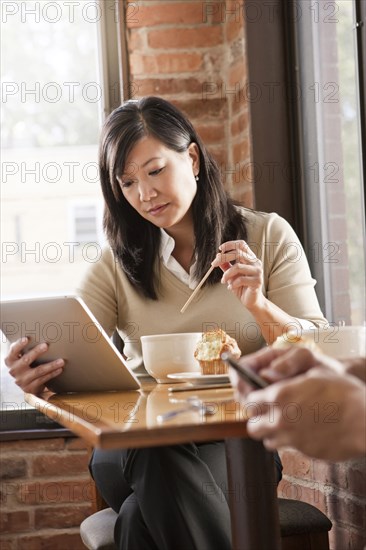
209	349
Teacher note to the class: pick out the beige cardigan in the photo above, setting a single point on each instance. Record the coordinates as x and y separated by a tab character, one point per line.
287	283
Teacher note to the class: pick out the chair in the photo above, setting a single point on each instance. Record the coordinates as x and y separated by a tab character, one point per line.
303	527
97	530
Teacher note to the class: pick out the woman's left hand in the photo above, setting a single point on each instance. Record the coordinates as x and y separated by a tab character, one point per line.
243	272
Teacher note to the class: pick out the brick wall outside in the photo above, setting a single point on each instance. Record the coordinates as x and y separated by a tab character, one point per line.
193	54
46	492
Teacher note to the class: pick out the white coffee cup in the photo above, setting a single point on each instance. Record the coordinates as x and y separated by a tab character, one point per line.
165	354
336	341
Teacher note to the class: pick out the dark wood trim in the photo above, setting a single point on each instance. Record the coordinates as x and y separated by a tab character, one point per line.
20	435
360	8
29	424
270	70
123	57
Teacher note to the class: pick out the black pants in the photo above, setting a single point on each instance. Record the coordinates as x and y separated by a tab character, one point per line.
167	498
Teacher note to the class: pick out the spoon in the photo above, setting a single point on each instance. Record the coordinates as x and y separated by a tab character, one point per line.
193	404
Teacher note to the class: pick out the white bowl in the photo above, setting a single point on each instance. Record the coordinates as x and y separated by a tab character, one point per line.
337	341
165	354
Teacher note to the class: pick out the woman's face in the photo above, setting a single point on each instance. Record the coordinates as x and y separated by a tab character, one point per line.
160	183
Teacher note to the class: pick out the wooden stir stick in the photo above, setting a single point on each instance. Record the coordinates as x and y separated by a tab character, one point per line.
197	289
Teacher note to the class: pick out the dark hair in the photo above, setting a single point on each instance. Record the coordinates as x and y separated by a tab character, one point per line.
134	240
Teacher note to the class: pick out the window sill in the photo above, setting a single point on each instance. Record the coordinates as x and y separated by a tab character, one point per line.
29	424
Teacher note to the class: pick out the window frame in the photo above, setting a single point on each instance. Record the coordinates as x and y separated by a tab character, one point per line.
270	66
113	55
29	423
307	153
360	9
76	204
276	59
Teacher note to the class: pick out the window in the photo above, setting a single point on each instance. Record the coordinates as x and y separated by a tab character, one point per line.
331	152
86	221
309	138
60	77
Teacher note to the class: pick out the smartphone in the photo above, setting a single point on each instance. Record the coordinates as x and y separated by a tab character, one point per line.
245	373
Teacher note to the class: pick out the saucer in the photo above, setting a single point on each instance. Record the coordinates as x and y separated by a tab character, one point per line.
199	378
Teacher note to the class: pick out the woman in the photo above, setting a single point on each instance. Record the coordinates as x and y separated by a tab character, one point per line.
168	219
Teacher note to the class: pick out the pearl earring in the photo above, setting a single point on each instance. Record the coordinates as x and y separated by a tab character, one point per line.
197	177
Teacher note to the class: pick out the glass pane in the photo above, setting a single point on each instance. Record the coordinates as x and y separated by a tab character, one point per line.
332	157
85	224
354	218
51	112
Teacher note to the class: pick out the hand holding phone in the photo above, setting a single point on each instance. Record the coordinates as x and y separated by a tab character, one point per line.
247	374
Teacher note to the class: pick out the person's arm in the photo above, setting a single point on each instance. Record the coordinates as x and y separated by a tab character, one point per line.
277	287
275	364
31	379
98	291
355	366
320	413
245	279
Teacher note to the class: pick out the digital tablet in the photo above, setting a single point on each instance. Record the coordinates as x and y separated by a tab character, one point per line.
92	361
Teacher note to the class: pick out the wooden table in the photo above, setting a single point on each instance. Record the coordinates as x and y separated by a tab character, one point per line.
111	420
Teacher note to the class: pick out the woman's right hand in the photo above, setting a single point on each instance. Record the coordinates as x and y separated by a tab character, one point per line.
31	379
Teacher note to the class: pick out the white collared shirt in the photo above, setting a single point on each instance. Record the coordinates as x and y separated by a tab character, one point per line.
167	244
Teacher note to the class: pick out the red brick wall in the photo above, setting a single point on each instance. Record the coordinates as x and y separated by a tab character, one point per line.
338	490
46	492
193	54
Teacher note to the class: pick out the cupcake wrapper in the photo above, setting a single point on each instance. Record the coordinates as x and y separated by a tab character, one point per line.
216	366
